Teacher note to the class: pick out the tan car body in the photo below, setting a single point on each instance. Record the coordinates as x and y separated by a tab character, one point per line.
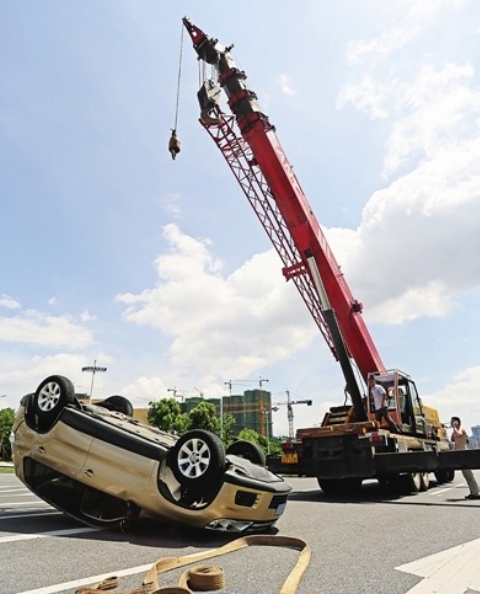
103	468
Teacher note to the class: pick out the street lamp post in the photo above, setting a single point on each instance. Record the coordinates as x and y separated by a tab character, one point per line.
229	384
268	414
93	370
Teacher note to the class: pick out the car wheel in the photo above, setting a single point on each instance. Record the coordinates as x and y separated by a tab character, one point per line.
119	404
198	457
248	450
52	395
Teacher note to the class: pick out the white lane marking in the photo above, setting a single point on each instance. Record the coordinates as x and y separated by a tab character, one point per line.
439	491
27	504
18	537
87	581
453	571
18	493
37	503
33	515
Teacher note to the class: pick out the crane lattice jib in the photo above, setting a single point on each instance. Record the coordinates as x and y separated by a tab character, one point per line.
239	157
263	171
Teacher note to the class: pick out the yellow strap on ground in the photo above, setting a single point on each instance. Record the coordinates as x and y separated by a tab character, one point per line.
203	578
150	584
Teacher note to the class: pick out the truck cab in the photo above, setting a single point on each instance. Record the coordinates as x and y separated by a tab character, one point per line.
405	406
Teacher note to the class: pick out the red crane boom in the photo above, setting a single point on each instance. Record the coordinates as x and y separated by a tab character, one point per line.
262	169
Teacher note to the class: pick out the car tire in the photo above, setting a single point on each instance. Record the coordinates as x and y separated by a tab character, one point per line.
118	404
197	458
51	396
248	450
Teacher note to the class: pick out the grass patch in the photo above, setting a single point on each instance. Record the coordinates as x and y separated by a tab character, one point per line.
6	469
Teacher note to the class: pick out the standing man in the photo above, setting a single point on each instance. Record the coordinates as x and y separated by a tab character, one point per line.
460	441
379	396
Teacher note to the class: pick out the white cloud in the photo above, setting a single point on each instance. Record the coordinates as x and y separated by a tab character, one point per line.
369	96
171	205
9	302
285	83
21	375
430	300
235	324
391	39
459	397
144	390
409	18
35	327
412	253
420	233
433	113
86	316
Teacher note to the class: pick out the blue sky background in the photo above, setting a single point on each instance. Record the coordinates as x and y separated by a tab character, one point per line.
160	271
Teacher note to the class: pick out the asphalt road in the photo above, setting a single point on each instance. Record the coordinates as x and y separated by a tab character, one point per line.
375	544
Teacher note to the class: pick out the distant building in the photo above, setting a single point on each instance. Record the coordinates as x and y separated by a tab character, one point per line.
250	410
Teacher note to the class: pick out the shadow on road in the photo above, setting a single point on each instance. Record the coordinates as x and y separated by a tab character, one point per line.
371	493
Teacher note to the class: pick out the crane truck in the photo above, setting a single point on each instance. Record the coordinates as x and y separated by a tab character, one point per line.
350	445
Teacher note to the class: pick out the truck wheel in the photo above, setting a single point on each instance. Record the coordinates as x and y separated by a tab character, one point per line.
424	481
444	476
197	458
450	476
404	484
414	481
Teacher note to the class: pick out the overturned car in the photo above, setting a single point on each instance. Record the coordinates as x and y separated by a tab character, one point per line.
97	464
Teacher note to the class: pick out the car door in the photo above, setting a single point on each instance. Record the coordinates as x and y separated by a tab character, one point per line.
119	462
64	448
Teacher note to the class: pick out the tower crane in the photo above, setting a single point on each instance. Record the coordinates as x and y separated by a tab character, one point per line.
289	404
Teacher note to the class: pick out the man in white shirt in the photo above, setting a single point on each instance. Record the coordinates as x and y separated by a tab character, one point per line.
460	440
379	396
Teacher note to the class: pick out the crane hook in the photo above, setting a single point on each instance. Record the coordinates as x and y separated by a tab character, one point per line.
174	144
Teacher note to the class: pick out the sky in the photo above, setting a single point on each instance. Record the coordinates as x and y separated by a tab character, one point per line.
158	270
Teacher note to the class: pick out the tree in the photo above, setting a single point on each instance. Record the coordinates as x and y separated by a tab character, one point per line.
228	424
269	446
167	416
7	417
250	435
204	416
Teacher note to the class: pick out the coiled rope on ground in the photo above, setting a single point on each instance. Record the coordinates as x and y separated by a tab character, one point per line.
209	578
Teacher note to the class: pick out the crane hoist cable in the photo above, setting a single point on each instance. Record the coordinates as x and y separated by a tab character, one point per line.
174	142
